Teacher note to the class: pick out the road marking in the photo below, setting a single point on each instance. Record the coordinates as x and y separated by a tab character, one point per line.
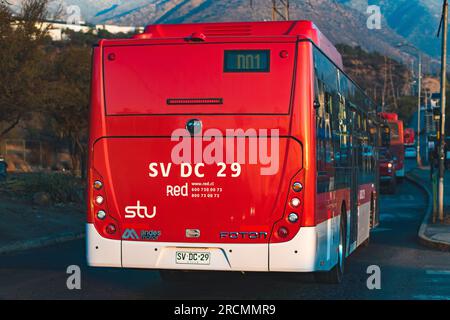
431	297
438	272
386	217
381	229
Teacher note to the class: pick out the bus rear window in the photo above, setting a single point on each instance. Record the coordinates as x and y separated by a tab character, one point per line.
210	78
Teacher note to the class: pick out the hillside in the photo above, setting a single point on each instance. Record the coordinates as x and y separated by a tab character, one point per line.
341	22
416	20
373	72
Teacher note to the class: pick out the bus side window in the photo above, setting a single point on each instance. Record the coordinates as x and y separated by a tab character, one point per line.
324	149
326	90
343	132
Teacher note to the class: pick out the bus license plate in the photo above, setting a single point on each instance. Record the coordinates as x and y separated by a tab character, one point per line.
185	257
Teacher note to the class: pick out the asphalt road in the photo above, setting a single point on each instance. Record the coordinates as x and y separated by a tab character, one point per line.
408	270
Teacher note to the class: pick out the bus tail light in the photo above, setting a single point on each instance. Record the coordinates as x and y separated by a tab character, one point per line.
195	101
99	199
295	202
283	232
97	185
293	218
111	229
297	186
100	214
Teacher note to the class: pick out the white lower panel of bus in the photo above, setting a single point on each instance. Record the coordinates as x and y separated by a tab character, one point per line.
312	249
363	222
102	252
242	258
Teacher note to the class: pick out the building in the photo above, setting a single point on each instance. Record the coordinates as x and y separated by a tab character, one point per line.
56	29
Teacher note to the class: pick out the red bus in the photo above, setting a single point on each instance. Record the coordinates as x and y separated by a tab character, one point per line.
228	146
409	137
397	143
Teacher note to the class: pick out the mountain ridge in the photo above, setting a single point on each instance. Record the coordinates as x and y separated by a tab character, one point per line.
415	20
343	21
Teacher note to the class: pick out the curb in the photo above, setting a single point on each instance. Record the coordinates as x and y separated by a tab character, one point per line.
423	239
40	242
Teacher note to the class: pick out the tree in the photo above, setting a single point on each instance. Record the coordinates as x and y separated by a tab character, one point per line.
22	40
407	106
67	102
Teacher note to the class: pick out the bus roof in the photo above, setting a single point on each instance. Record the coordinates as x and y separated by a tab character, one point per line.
300	29
389	116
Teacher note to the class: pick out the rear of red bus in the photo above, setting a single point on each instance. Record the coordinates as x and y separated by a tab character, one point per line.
199	148
409	137
397	142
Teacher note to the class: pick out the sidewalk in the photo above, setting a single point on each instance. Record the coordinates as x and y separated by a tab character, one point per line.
433	234
24	226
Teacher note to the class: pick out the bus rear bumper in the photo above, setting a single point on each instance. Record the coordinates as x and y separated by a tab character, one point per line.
304	253
102	252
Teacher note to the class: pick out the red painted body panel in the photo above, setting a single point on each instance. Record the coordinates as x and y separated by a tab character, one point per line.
409	137
250	202
182	74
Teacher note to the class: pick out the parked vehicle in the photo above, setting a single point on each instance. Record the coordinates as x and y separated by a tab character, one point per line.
410	152
3	168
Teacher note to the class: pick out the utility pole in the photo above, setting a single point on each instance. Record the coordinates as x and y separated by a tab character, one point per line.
391	80
419	95
383	98
280	10
444	25
419	122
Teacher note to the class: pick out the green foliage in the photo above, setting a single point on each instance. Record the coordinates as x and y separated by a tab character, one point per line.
374	58
378	75
88	39
62	188
67	100
22	57
407	105
67	104
45	78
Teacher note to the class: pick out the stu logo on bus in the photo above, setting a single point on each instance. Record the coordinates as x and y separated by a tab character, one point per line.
139	211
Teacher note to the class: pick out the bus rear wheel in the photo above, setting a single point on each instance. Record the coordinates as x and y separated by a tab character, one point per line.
335	275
